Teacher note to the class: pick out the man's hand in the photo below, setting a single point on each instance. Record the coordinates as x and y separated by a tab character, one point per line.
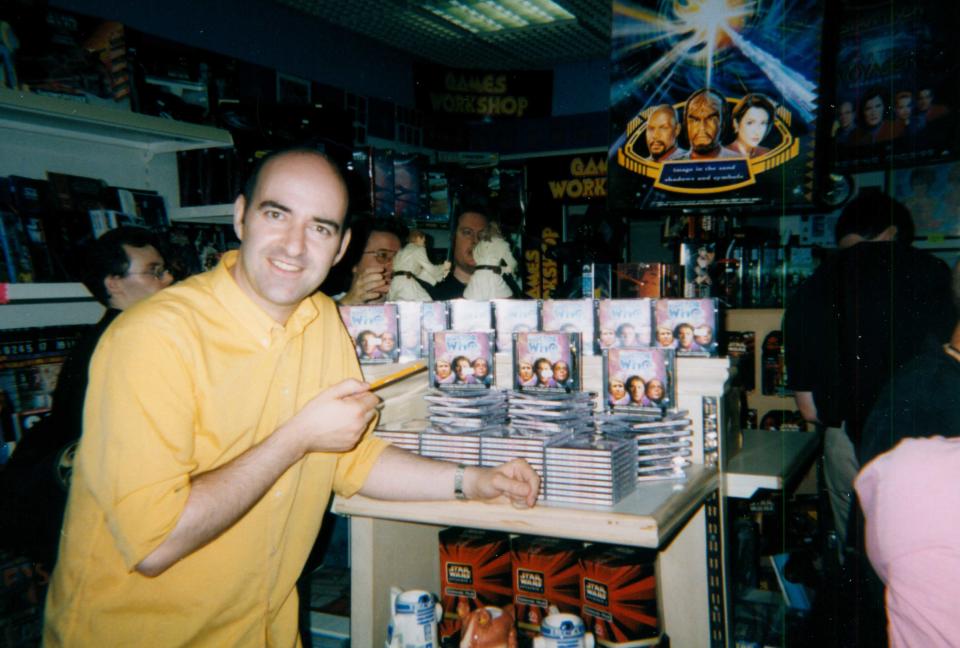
515	480
334	419
368	286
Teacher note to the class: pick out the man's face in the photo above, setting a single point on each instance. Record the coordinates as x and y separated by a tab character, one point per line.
636	390
873	111
903	108
525	371
463	368
145	276
924	100
703	123
468	230
379	252
561	372
846	115
387	342
607	338
662	132
443	368
655	390
685	336
628	335
664	337
617	390
480	368
368	343
290	232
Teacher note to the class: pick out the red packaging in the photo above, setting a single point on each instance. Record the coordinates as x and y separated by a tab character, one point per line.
546	571
474	572
618	595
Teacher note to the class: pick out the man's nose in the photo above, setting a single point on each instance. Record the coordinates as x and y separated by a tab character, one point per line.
294	241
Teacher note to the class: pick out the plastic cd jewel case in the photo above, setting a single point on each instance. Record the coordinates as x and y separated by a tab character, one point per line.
638	378
374	330
623	323
547	362
461	360
687	325
514	316
569	316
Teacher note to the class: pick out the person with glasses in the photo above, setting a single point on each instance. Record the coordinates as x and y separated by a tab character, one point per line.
470	222
123	267
221	416
364	274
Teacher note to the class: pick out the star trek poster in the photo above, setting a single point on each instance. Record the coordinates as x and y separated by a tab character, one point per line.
713	103
896	84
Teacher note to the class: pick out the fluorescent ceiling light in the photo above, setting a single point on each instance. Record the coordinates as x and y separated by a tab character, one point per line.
494	15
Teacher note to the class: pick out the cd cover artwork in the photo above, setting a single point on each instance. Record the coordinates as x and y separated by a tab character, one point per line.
687	325
546	361
514	316
470	315
461	360
434	316
409	313
569	316
623	323
373	330
638	378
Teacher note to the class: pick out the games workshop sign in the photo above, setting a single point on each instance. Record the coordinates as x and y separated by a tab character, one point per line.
713	102
569	179
483	94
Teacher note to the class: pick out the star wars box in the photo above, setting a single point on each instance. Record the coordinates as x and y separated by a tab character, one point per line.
474	572
618	595
546	571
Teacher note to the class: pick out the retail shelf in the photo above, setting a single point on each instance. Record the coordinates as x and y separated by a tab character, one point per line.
222	213
31	113
28	305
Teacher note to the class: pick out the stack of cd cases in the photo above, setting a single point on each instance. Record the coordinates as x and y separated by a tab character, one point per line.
664	442
405	435
552	411
460	447
591	470
496	449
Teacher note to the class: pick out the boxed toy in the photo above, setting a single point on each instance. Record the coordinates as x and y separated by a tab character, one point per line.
618	595
474	572
546	571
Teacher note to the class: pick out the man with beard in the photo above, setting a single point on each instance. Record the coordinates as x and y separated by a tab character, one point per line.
663	129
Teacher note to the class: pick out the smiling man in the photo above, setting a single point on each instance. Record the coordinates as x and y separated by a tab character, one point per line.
220	416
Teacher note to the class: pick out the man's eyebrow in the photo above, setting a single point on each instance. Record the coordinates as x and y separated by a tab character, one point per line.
273	204
332	224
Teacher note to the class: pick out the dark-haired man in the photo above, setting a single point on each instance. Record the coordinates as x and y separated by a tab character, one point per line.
470	222
123	267
197	497
864	314
703	115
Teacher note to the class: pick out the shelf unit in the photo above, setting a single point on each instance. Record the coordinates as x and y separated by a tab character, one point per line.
126	149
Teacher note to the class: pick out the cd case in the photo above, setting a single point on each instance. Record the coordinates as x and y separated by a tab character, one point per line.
638	378
374	331
461	360
546	361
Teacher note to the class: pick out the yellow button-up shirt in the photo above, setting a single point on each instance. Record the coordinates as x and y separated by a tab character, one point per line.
180	385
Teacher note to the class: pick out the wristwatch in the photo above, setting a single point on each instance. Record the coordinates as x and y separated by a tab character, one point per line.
458	482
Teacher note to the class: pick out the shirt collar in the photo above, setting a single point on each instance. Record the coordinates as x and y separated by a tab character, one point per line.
247	312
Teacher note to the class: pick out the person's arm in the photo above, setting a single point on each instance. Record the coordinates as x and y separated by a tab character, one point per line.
368	286
332	422
400	475
808	409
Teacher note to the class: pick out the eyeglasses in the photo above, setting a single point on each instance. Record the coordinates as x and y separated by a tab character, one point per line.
471	234
382	256
158	273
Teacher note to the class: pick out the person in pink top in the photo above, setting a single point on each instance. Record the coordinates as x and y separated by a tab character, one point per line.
910	500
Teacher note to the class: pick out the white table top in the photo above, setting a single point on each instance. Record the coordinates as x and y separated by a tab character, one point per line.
768	459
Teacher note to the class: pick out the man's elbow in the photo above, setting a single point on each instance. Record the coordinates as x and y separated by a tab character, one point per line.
153	565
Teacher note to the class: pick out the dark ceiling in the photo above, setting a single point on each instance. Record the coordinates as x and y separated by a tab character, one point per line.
402	24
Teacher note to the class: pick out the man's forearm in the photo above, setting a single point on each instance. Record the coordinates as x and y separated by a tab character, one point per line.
399	475
808	409
221	497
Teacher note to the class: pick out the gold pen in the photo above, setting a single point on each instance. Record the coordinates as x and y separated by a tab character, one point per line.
415	368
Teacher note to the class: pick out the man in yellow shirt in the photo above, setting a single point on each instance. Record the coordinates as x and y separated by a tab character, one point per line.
219	417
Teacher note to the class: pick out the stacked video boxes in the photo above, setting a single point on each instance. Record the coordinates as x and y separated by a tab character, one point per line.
596	471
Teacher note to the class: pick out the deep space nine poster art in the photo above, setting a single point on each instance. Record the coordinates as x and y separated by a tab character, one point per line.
713	102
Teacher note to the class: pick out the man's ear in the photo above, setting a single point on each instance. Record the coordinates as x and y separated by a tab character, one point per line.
239	207
114	286
344	243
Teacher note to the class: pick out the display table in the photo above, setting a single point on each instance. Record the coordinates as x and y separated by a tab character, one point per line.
768	459
396	543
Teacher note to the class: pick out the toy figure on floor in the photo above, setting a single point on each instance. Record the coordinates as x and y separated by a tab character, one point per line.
410	264
494	261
